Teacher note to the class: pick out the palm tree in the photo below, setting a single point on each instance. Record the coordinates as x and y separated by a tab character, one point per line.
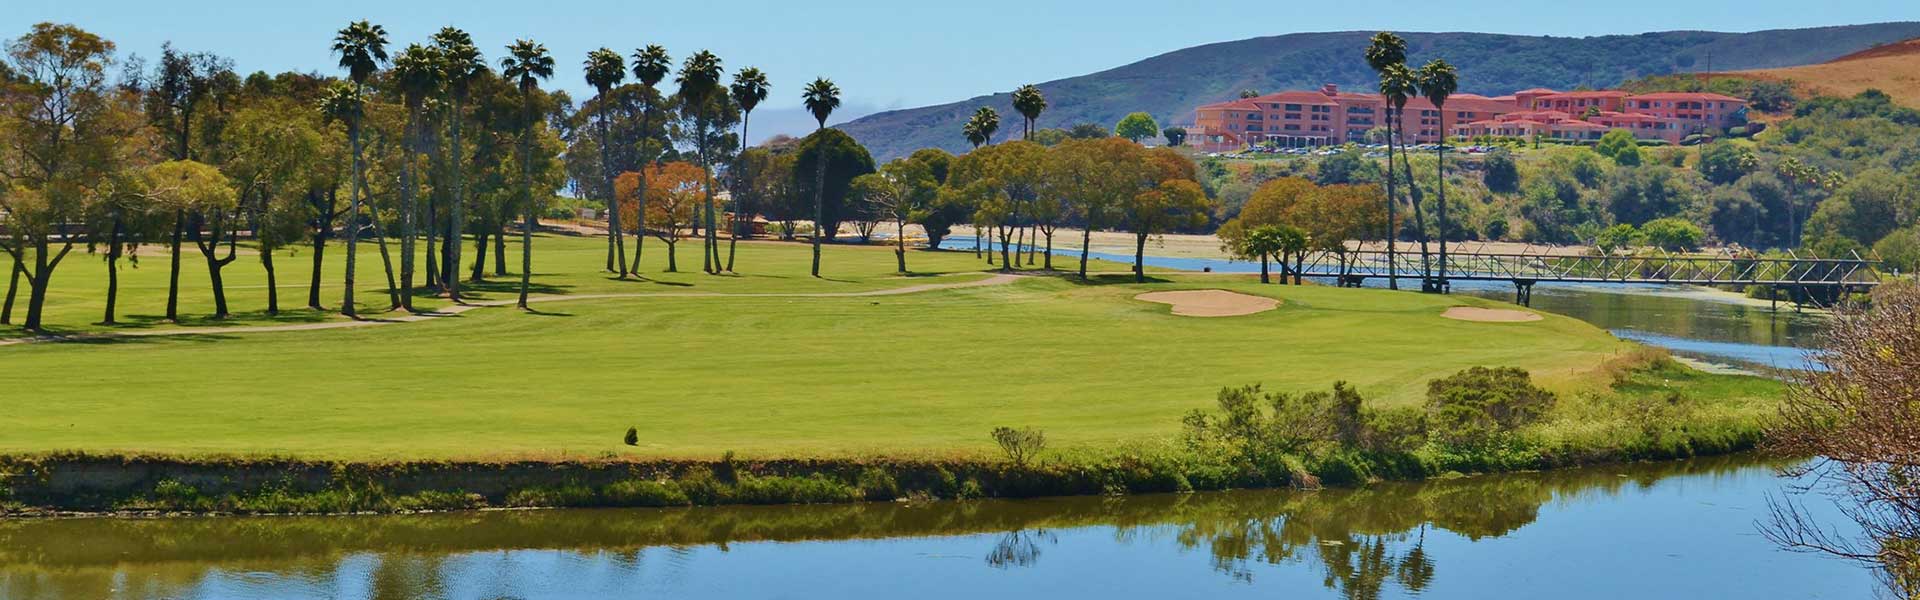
699	79
1385	50
419	73
979	130
1398	84
821	98
362	47
1437	81
650	65
527	63
749	89
606	69
462	63
1030	102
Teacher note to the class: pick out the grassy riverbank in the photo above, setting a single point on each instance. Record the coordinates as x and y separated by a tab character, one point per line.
776	368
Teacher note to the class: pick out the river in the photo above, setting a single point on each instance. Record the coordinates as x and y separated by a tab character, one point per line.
1683	529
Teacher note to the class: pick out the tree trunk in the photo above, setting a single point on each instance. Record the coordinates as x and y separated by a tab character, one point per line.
1086	247
673	262
733	240
1263	268
1393	279
1419	218
409	141
386	261
1440	160
456	206
347	306
640	202
710	245
1047	261
500	252
433	260
1006	247
37	286
173	274
526	196
1140	257
1299	263
113	270
900	241
819	208
13	288
479	256
319	252
273	288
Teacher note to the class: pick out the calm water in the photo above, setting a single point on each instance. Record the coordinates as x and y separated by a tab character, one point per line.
1670	530
1683	319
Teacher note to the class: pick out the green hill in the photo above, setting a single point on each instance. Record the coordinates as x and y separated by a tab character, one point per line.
1170	85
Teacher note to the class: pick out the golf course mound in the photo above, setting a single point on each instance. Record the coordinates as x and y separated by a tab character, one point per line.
1489	315
1211	303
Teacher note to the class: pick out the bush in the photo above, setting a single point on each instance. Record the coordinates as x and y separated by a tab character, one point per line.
641	492
1480	406
1020	445
877	484
1672	233
633	437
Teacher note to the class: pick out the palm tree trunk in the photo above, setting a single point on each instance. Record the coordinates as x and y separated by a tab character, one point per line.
1393	279
733	240
456	204
1440	179
386	259
819	208
526	197
1419	218
353	219
640	203
408	190
710	247
320	234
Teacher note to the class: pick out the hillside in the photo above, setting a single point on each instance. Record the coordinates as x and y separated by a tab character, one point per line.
1892	68
1170	85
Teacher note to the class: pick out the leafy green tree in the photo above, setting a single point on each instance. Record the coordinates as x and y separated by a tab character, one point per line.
1174	204
1012	174
1176	136
650	66
1482	405
938	216
1900	250
1502	175
1029	102
1618	236
1088	131
362	47
274	155
749	89
180	88
1137	126
1871	204
207	197
462	64
821	98
899	188
526	64
1724	163
606	69
62	113
1620	146
1672	233
123	216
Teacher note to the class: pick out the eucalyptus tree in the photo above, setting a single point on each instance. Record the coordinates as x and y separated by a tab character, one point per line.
526	64
181	86
462	63
821	98
1385	50
650	66
606	69
1438	81
274	152
699	81
420	73
127	214
749	89
895	191
362	47
207	196
1029	102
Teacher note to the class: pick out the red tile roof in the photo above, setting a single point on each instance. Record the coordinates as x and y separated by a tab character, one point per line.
1702	96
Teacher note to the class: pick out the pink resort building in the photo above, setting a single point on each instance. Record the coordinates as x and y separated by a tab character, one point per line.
1330	117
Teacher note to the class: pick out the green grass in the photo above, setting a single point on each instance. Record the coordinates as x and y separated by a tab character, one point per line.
915	374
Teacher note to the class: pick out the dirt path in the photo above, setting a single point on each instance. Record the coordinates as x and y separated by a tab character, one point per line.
997	279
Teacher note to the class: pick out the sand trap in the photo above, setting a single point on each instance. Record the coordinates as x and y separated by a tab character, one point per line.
1211	303
1489	315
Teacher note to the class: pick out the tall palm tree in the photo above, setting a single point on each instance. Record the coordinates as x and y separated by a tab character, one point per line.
463	64
526	63
419	72
1385	50
1399	84
980	129
699	80
362	47
821	98
1030	103
650	65
1438	81
606	69
749	89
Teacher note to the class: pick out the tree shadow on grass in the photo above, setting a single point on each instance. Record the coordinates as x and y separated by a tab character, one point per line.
513	287
1104	279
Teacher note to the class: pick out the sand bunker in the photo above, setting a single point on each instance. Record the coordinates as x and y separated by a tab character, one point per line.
1489	315
1211	303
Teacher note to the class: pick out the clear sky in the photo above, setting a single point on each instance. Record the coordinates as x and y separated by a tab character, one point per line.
891	54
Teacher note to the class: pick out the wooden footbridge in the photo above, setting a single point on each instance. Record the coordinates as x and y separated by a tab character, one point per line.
1814	278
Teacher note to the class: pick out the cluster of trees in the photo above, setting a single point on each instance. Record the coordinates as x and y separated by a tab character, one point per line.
1292	216
1837	178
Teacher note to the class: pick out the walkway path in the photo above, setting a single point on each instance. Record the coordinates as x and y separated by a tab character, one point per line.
997	279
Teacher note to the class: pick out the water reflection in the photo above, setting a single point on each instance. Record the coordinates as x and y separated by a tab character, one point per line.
1447	538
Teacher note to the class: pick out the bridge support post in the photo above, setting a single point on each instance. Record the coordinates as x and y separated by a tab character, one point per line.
1523	292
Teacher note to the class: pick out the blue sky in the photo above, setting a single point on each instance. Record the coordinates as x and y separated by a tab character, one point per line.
894	54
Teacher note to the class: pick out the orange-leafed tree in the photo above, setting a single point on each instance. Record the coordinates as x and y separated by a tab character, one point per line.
673	193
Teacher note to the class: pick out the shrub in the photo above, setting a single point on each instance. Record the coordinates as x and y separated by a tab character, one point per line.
1479	406
1394	430
1672	233
1020	445
877	484
641	492
633	437
813	489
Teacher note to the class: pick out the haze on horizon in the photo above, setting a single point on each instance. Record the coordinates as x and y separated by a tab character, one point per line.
885	55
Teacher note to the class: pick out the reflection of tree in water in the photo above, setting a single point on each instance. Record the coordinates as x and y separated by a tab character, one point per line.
1019	548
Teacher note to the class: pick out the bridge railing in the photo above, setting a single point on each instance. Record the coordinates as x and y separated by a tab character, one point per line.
1659	267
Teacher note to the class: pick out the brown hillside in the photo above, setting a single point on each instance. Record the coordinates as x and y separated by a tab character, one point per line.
1891	68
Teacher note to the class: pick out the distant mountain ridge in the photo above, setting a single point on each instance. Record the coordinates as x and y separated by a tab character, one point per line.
1170	85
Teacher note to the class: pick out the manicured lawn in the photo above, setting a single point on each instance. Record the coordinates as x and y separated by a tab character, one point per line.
922	373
